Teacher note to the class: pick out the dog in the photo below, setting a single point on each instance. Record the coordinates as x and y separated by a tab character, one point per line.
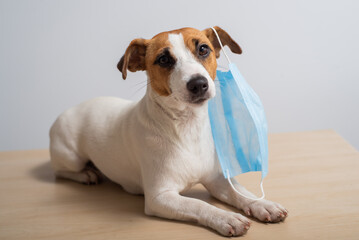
162	145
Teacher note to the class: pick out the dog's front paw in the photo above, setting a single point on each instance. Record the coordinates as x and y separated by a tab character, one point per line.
229	223
266	211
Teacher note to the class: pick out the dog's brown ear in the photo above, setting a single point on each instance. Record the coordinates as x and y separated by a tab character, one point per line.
225	39
134	57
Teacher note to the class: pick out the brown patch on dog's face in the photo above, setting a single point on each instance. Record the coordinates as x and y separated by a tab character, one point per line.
201	48
157	57
158	71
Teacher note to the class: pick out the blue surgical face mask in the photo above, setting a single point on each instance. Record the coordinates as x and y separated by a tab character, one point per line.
239	126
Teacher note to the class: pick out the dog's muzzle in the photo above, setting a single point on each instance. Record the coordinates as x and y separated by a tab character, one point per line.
198	86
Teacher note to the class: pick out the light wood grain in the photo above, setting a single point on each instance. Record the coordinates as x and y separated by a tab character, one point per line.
315	175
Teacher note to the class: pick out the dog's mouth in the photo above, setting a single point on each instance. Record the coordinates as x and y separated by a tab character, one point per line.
199	100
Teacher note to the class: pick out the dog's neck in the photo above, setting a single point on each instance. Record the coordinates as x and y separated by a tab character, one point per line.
173	115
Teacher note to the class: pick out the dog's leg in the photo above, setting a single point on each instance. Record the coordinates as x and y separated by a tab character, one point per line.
263	210
89	175
67	164
170	204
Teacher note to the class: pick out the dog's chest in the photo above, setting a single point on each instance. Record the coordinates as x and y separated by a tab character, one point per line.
194	155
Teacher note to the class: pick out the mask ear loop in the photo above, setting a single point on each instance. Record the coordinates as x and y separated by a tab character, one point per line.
231	184
220	43
227	171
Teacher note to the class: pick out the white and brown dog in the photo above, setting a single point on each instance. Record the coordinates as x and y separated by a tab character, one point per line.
162	145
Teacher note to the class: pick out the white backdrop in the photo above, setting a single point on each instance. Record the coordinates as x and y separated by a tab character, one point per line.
300	56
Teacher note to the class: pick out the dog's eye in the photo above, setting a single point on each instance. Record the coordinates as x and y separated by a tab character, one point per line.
203	50
163	60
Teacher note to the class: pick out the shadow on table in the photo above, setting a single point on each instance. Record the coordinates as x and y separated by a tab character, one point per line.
108	197
43	172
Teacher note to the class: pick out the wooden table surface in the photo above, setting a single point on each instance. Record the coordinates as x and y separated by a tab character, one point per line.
315	175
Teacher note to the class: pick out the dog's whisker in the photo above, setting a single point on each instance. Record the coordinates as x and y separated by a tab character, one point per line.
140	83
141	86
138	90
146	85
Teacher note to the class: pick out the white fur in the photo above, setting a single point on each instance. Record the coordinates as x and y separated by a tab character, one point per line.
160	146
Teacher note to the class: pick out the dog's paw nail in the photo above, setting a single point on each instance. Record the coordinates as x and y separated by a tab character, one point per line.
268	219
247	227
231	231
248	212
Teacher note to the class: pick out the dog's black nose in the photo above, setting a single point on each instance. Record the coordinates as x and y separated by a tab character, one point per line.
197	85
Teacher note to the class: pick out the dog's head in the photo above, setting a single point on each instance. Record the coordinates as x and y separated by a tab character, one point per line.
180	64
